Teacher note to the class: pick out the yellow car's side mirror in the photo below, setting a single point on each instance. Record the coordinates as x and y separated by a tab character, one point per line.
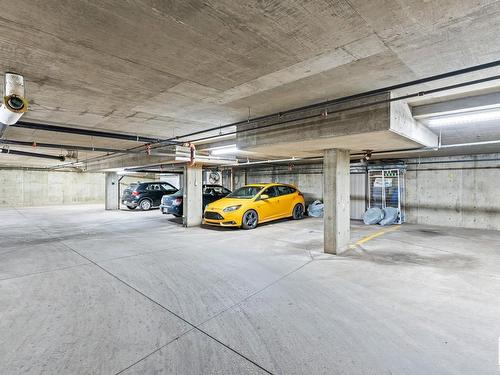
264	196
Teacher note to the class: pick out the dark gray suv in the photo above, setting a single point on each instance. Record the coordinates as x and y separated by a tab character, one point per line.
146	195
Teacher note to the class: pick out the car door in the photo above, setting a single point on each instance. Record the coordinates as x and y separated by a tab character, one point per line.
268	209
155	193
286	198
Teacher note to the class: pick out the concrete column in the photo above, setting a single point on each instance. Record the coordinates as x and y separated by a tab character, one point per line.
336	195
112	197
192	187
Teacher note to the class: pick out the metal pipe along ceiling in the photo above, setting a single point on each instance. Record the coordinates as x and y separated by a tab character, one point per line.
359	106
32	154
357	155
365	94
322	105
92	133
71	147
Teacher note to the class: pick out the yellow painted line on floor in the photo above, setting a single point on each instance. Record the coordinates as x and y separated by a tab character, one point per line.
374	235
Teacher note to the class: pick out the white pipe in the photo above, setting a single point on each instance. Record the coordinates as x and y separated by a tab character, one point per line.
270	161
14	85
13	90
8	117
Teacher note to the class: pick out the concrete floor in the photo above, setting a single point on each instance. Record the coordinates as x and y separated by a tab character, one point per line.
84	291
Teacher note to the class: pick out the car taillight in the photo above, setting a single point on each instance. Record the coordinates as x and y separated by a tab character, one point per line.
135	193
177	201
301	194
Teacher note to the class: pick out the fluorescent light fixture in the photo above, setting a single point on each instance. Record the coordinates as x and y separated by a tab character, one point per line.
481	143
466	118
231	149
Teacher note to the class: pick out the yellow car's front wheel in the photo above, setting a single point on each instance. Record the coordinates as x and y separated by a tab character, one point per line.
250	219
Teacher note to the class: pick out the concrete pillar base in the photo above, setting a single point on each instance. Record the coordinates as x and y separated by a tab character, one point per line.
193	189
336	198
112	196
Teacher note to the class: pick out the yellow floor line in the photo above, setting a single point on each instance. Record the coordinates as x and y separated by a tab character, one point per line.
374	235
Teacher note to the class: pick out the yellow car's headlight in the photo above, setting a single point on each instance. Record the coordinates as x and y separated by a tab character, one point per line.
231	208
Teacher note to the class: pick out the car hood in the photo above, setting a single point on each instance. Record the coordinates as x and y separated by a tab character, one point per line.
226	202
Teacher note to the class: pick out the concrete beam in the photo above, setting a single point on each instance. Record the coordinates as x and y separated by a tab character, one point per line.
309	131
336	198
379	127
471	103
173	155
403	123
192	205
112	197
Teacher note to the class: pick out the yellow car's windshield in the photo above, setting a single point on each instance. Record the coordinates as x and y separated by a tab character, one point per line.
245	192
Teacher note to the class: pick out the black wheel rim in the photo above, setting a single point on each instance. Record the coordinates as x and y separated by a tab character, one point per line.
250	219
298	211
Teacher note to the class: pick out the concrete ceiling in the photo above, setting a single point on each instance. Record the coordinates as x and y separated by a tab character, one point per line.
168	68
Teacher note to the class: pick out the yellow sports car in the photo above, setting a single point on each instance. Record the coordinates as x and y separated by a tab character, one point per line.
256	203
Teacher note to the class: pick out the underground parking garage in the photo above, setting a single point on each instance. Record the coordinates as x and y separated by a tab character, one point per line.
250	188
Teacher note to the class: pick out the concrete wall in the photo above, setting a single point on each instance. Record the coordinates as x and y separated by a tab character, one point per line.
438	191
463	194
39	188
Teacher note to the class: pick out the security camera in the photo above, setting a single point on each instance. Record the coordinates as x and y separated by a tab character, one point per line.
14	104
